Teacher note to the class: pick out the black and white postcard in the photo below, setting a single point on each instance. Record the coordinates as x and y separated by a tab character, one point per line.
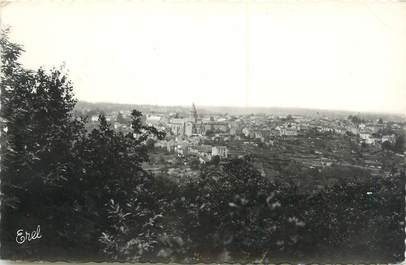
203	131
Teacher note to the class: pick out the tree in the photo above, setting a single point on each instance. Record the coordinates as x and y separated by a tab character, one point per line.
194	163
37	107
386	145
289	117
84	189
209	133
119	196
399	145
233	209
356	120
215	160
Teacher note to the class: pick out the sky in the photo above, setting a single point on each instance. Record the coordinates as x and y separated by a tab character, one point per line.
341	55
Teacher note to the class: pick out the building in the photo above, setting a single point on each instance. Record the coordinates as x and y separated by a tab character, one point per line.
152	120
340	131
177	126
189	128
372	140
246	131
389	138
368	138
324	129
202	151
365	135
215	127
220	151
94	118
195	125
288	131
352	129
234	128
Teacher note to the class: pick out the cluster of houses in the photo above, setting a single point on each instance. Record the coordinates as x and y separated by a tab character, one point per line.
186	134
369	138
189	127
191	147
370	133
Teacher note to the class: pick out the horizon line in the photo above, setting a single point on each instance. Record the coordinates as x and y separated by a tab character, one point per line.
249	107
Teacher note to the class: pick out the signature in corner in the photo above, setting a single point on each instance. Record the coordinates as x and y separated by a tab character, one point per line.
24	236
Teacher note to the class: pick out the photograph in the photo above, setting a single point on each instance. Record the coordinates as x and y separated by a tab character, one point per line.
248	131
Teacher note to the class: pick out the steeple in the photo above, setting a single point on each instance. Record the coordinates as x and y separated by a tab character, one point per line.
194	113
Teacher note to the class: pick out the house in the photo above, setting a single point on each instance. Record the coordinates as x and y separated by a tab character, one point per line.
340	131
372	140
94	118
365	135
368	138
261	133
236	153
203	159
246	131
288	131
352	129
324	129
203	151
153	120
182	149
220	151
389	138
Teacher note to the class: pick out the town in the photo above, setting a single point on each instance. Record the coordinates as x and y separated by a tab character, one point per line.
293	146
203	132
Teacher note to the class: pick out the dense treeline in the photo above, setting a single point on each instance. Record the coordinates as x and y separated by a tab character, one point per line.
93	200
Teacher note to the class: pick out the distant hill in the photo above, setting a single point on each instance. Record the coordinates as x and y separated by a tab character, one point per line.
278	111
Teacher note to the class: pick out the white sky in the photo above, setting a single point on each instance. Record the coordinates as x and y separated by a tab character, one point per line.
314	54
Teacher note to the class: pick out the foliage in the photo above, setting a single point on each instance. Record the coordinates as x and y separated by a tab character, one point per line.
398	146
56	175
355	119
40	131
118	192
